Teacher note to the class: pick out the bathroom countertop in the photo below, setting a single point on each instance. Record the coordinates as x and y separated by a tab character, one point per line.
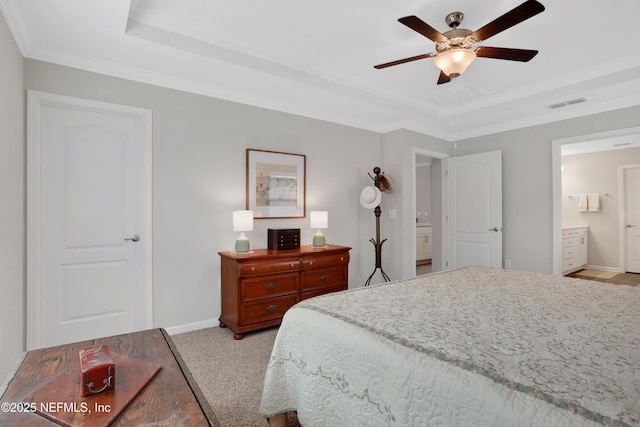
575	224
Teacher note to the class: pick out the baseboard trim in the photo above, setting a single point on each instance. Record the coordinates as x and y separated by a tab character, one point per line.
181	329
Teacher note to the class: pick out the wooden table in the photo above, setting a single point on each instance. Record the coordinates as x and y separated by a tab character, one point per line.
171	398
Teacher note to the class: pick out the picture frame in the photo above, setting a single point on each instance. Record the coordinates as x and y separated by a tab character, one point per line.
276	184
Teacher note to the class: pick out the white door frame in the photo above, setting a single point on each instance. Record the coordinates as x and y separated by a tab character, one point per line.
36	100
556	182
622	220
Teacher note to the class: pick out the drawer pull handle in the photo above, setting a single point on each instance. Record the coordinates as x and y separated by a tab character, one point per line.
310	262
324	277
271	286
292	265
271	308
341	258
253	269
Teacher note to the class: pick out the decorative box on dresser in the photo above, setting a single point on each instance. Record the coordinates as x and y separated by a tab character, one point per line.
260	286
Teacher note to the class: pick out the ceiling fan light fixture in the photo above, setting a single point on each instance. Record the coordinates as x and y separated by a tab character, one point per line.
453	62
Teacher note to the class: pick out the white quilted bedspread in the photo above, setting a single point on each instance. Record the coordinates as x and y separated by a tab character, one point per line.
475	346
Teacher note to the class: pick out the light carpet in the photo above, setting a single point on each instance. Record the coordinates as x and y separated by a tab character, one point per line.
230	372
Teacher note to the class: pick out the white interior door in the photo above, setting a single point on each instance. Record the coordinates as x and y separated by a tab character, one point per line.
474	210
632	219
89	168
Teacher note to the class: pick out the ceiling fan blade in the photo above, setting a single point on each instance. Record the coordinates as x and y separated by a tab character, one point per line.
423	28
522	55
402	61
525	11
443	78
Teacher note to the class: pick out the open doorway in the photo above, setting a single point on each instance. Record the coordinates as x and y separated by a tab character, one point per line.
427	208
587	169
424	225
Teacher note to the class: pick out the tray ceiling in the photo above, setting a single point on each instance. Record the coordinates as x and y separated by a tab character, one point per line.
316	59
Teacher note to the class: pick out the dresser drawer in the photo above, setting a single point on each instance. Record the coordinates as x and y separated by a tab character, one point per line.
270	266
325	261
266	310
325	278
268	287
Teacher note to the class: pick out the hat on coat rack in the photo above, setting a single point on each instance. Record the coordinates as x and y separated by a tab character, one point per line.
385	183
370	197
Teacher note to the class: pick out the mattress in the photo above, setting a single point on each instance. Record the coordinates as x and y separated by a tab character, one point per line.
476	346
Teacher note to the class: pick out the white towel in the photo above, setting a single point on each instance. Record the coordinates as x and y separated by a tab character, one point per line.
593	202
583	203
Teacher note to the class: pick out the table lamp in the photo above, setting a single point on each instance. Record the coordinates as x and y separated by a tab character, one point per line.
319	220
242	221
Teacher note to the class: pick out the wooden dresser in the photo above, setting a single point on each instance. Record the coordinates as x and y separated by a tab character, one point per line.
259	287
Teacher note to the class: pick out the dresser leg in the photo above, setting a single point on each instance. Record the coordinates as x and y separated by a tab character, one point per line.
222	325
238	336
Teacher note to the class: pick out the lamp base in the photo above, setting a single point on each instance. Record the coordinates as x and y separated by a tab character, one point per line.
242	244
318	240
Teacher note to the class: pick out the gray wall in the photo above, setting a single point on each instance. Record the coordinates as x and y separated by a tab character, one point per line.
12	202
199	179
399	150
527	184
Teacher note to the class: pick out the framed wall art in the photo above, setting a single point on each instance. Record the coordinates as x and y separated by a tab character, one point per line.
276	185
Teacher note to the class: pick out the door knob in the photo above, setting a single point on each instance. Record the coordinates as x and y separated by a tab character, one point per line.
494	229
134	238
630	226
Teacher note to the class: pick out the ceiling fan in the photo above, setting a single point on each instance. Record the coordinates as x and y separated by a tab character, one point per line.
456	48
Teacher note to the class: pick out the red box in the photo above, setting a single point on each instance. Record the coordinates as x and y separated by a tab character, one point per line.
97	370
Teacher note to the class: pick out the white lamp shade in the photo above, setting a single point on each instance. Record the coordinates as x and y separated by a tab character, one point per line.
453	62
242	220
319	219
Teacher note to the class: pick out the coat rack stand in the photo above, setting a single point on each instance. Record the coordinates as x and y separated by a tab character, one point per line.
377	243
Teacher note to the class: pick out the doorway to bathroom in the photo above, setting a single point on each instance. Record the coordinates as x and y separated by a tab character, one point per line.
596	168
424	225
428	211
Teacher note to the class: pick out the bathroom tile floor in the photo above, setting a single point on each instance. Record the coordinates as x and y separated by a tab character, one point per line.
631	279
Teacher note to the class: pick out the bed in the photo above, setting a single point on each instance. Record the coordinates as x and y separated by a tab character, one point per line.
476	346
